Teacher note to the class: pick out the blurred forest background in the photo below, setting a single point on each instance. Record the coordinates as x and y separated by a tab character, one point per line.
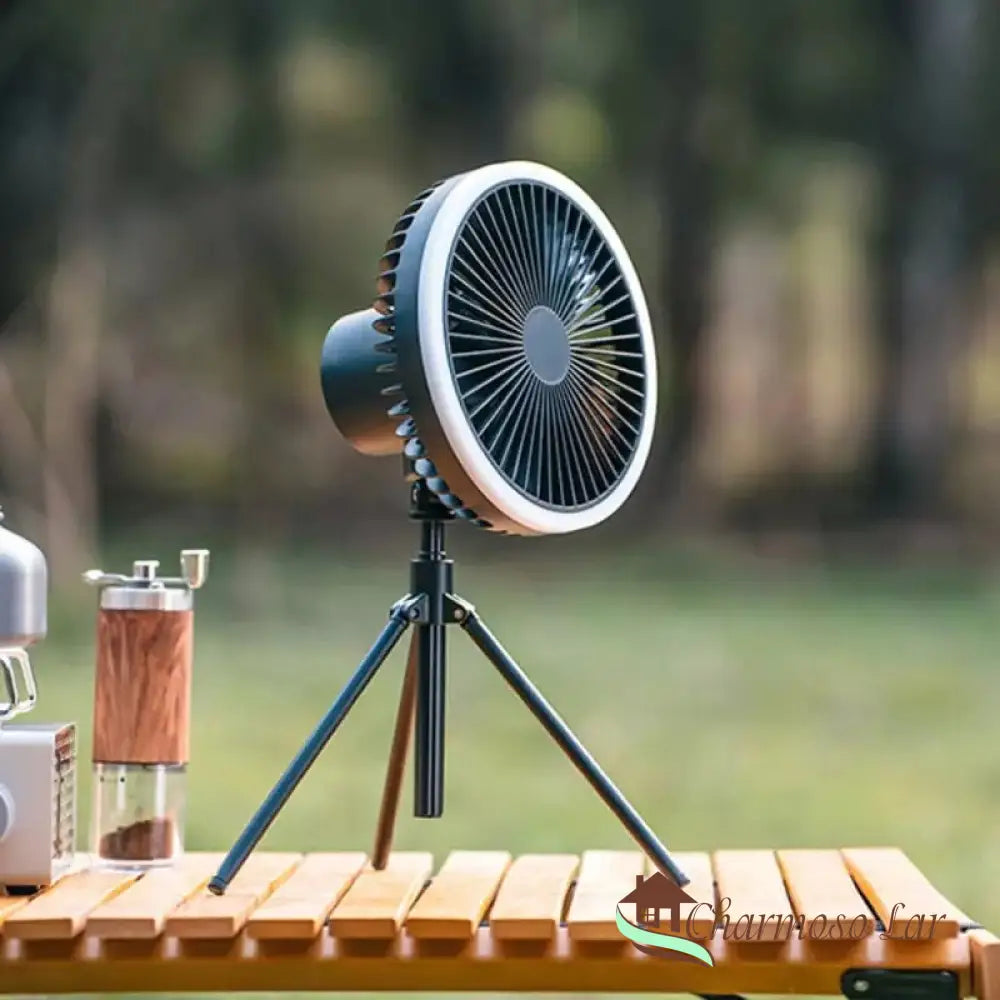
802	595
193	191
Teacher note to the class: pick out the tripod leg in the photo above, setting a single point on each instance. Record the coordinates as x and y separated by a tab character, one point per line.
571	746
311	749
397	761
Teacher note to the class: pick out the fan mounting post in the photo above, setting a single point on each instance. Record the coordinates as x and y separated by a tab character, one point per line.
431	574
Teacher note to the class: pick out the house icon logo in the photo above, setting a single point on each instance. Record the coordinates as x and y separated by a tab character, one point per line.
658	901
655	894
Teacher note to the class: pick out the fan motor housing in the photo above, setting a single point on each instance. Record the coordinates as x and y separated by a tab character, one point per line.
509	353
353	383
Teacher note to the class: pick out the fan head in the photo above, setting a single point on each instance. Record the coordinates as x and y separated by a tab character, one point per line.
508	353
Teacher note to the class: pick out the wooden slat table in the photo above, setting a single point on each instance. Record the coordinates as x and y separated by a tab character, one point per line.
484	921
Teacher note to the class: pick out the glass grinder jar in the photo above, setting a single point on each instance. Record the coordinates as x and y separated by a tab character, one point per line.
142	709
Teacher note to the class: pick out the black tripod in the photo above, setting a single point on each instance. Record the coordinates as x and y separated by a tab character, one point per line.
431	606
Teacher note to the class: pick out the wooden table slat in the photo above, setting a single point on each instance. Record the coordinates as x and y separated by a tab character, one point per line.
375	906
205	916
759	908
60	913
10	905
695	917
459	895
605	877
140	911
299	907
985	954
530	902
822	892
898	892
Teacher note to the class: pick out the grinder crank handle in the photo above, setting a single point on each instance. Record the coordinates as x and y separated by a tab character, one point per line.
22	693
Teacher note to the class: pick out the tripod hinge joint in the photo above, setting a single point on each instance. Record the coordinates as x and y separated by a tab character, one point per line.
457	611
410	609
415	609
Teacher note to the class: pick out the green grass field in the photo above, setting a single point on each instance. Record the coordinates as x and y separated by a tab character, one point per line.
735	707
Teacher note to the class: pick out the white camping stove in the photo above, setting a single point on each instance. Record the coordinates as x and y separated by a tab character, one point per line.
37	804
37	762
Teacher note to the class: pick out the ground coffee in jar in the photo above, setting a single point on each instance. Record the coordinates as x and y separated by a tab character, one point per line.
144	840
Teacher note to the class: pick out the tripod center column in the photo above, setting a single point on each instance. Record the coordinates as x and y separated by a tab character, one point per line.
431	575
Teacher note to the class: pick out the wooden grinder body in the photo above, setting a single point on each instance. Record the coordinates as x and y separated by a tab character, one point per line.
142	698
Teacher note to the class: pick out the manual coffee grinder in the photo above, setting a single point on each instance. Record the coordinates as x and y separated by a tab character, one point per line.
37	762
142	710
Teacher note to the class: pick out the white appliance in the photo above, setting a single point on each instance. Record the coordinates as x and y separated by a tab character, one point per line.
37	803
37	762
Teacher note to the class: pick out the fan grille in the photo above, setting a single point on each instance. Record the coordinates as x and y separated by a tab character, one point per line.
545	345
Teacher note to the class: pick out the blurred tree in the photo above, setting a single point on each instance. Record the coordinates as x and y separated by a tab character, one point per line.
74	307
458	68
663	52
686	195
927	149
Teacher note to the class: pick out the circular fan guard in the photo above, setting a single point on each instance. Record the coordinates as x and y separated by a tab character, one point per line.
510	347
542	339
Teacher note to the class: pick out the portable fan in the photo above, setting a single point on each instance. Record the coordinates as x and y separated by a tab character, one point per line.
509	357
509	353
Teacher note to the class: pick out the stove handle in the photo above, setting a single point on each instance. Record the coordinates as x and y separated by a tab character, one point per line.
19	683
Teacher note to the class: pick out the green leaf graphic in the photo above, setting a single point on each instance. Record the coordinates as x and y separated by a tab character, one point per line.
654	939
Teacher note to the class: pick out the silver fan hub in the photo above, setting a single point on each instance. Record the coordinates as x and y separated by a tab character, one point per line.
546	345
